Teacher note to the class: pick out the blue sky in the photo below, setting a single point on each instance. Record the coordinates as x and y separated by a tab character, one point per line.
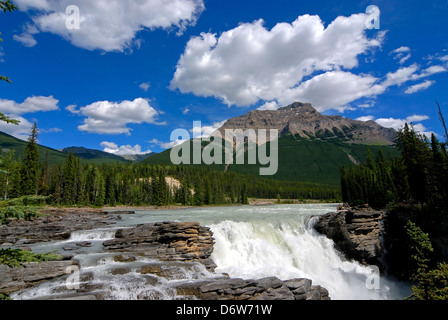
137	70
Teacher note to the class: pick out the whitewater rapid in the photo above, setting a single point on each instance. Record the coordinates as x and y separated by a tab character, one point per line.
251	242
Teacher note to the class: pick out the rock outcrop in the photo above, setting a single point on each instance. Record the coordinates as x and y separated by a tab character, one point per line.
357	233
166	241
54	224
270	288
304	120
32	274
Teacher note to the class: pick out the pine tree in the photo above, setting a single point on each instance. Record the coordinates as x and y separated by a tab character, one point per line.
243	198
162	189
15	190
7	171
30	164
68	195
42	186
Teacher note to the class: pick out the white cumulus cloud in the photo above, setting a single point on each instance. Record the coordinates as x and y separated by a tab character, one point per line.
109	25
21	131
228	66
112	147
106	117
398	124
30	105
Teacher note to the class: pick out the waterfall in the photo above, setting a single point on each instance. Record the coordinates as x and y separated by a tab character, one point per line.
251	242
291	248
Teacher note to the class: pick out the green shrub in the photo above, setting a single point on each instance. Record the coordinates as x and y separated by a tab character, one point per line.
17	257
26	201
429	284
18	212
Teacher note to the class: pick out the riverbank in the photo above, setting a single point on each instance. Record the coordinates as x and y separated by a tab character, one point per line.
251	201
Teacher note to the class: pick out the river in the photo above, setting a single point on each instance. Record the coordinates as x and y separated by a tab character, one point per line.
251	242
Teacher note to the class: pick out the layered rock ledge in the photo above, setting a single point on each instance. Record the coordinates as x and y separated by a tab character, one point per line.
270	288
32	274
54	224
356	232
166	241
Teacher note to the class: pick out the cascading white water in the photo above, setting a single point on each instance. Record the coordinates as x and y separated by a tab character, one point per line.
290	248
89	235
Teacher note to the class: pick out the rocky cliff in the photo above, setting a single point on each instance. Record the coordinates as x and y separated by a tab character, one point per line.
303	120
357	233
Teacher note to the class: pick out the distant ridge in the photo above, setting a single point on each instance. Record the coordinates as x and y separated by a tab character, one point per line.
102	156
91	154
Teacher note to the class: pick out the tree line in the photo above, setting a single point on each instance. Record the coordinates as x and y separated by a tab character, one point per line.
77	182
418	175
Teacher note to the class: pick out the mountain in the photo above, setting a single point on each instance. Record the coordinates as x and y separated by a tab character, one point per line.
311	146
302	120
8	142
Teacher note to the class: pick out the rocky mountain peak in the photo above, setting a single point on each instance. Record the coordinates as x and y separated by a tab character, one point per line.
305	121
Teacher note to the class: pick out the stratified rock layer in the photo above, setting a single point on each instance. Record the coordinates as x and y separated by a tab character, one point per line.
32	274
270	288
356	233
304	120
166	241
55	224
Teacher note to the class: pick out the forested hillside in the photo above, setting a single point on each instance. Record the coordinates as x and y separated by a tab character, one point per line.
74	182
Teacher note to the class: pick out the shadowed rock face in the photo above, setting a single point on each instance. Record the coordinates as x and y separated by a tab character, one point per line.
356	233
303	120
